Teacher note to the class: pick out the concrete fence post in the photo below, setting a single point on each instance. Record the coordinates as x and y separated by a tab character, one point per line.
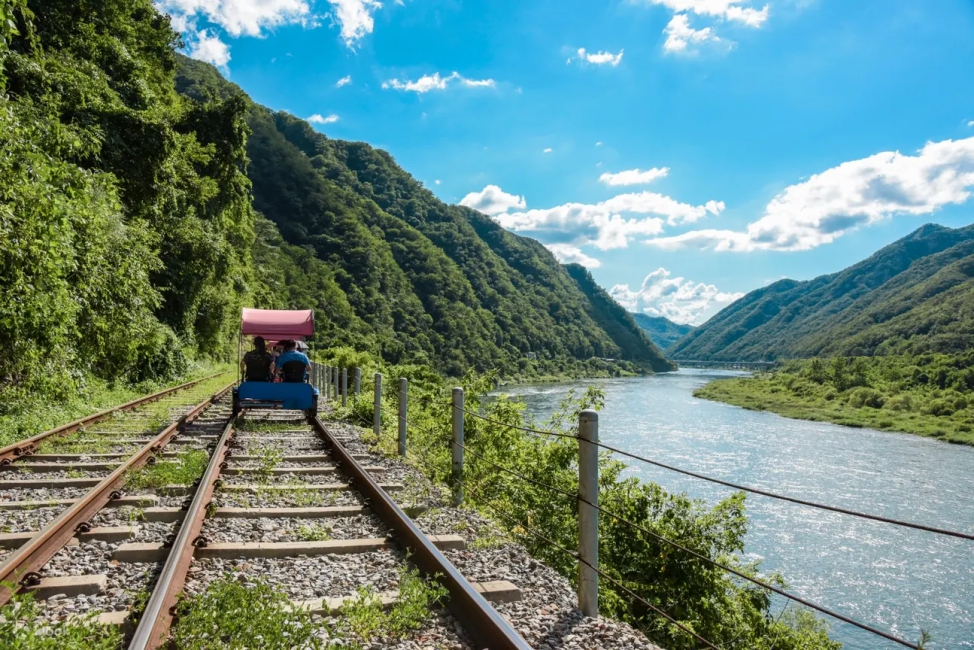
327	390
588	517
358	382
457	446
334	383
403	397
377	406
344	386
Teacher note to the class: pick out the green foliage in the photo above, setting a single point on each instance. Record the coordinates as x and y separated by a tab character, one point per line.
927	394
912	297
661	331
23	628
720	608
231	616
314	532
185	470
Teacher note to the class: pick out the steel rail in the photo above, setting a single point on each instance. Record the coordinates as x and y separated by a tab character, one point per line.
480	620
28	445
36	552
153	629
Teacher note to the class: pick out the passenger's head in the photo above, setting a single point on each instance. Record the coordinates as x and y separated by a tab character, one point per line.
289	345
259	344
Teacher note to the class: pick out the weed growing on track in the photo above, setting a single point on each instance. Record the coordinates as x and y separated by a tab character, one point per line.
22	627
314	533
270	457
365	621
185	470
231	615
79	442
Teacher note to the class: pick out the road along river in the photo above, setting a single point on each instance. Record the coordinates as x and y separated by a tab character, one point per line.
896	579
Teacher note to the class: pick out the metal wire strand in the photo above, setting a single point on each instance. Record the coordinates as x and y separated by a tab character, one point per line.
575	555
514	426
801	502
760	583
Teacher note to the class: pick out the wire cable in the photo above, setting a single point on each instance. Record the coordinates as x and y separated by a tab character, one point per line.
801	502
575	555
760	583
519	428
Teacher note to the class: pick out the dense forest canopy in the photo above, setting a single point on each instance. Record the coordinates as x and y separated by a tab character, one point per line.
144	200
661	330
915	296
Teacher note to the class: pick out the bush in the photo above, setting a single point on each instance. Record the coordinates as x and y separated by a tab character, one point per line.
870	397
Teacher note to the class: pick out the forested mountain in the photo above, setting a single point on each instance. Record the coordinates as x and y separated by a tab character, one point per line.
131	235
661	330
914	296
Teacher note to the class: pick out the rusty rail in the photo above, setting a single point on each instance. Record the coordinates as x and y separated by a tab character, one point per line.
22	565
153	629
28	445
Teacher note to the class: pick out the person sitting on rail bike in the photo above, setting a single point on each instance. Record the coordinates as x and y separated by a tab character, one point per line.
258	362
294	366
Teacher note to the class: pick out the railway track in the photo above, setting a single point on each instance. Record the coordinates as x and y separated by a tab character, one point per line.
280	502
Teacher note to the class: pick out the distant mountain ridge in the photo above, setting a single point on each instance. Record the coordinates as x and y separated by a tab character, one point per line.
914	296
422	281
661	330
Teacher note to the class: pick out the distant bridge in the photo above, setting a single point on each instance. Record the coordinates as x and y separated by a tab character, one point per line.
726	365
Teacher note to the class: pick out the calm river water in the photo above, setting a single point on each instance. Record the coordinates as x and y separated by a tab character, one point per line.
895	579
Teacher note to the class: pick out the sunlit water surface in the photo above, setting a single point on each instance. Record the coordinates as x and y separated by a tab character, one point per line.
895	579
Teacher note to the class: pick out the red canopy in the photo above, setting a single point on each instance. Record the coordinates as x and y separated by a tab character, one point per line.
277	324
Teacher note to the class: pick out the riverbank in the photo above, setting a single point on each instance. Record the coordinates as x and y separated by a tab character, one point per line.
888	394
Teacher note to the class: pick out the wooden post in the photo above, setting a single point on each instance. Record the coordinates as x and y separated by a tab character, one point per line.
588	517
377	406
403	397
457	446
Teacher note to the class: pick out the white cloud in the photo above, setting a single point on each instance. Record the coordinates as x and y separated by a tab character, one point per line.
344	81
634	176
568	254
209	49
597	58
238	17
318	119
598	144
437	181
726	9
676	298
856	193
434	81
547	150
679	34
492	201
355	18
971	123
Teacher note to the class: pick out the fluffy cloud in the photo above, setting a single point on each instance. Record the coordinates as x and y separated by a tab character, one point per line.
568	254
597	58
434	81
210	49
493	201
634	176
355	18
971	123
318	119
853	194
344	81
679	34
679	299
238	17
726	9
547	150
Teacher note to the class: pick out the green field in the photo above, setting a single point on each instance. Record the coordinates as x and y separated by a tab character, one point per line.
926	395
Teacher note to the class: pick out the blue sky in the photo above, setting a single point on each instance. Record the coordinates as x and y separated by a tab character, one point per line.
685	150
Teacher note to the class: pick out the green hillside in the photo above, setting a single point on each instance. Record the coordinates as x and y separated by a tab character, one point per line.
144	200
661	330
913	296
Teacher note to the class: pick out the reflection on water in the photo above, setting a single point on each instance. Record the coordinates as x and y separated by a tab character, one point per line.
896	579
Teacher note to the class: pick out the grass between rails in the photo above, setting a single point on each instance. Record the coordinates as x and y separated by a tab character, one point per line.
22	628
926	396
231	614
184	470
27	418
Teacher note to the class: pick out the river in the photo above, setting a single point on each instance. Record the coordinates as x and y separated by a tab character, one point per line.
896	579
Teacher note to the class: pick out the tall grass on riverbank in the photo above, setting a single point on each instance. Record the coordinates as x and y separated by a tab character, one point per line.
928	395
702	597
